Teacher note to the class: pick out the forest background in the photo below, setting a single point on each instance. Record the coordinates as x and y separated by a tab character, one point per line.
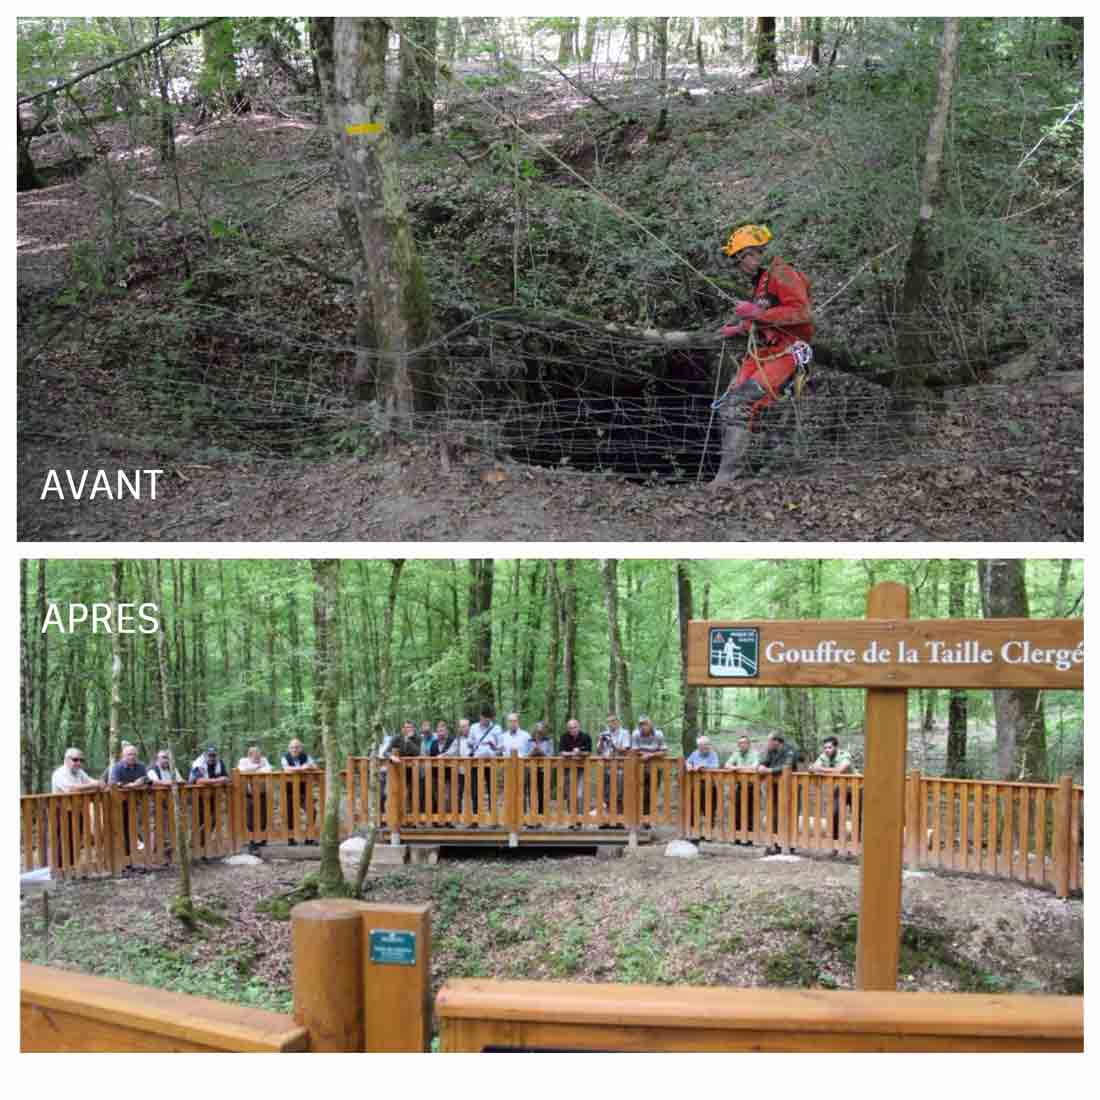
193	292
244	659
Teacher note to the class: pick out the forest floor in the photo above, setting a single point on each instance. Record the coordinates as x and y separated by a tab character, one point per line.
1002	463
729	917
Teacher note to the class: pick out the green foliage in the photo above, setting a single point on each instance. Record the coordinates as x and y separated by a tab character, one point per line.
130	958
792	966
255	631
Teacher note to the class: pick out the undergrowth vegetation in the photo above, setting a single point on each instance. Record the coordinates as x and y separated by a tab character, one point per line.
220	337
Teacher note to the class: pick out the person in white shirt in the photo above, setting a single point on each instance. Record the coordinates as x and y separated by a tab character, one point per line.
514	740
460	747
614	741
162	772
71	778
485	740
254	763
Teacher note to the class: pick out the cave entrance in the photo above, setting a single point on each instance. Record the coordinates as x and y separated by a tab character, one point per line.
638	424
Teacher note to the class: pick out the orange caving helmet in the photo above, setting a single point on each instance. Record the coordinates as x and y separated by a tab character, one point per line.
747	236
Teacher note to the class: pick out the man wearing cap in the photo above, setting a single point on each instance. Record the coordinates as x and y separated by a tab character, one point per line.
208	771
779	323
296	759
649	744
71	778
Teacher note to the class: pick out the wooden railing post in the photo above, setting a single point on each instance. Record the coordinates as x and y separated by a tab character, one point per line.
113	799
350	789
913	794
395	799
327	950
513	799
396	977
631	805
783	807
1063	806
684	784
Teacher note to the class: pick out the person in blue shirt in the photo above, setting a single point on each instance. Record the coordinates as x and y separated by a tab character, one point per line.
703	757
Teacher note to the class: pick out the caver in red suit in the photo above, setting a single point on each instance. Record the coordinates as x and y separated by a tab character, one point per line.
780	318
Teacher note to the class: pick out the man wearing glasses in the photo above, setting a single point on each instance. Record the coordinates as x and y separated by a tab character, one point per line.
71	778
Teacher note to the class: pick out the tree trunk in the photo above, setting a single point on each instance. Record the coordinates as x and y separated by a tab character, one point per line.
42	716
550	706
26	687
480	610
633	56
689	694
116	665
591	24
913	348
767	55
326	596
957	702
569	624
536	600
816	37
167	125
661	30
416	81
394	292
181	905
1021	725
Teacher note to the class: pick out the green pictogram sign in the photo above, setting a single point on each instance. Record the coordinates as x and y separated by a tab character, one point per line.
388	946
734	651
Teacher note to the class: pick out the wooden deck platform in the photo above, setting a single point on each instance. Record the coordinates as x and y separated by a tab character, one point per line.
490	836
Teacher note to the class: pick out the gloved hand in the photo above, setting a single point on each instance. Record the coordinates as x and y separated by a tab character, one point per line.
727	331
748	311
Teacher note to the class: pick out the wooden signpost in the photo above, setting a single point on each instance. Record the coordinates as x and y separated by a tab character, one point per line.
887	653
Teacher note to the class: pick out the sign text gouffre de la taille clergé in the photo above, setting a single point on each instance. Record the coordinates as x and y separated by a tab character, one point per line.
875	653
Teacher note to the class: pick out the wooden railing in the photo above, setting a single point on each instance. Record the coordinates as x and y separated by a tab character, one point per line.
481	1015
1031	832
517	794
1028	832
62	1012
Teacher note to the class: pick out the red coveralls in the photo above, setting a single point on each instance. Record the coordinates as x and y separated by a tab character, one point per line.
784	295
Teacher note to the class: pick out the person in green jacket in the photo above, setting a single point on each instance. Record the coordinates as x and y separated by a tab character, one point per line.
744	758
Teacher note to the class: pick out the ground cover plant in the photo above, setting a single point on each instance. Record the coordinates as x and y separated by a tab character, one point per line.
726	918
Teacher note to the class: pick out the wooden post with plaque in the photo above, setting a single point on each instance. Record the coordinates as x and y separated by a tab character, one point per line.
887	653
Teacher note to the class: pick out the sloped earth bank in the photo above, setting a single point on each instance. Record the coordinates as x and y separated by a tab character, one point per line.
1036	496
1003	463
729	917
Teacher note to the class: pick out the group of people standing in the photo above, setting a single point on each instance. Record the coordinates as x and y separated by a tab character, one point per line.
487	739
768	765
207	769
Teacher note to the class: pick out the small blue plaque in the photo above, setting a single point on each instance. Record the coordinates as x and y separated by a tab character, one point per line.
388	946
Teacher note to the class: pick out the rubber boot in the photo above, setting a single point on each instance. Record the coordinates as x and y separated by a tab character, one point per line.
735	453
